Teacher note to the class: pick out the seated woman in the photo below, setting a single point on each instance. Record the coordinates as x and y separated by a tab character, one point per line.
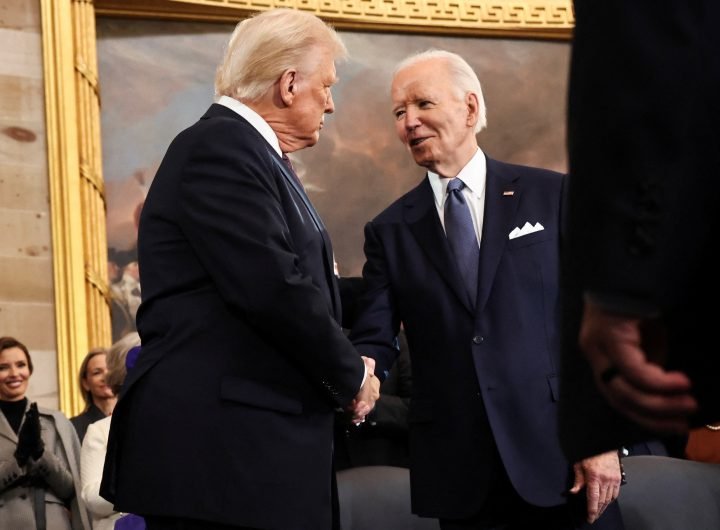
99	399
39	454
94	445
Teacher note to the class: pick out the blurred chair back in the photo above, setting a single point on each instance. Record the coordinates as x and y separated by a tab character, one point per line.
378	498
665	493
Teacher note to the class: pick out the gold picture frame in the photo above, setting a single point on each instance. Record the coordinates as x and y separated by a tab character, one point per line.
77	197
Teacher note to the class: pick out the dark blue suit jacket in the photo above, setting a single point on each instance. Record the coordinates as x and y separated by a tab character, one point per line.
227	415
484	376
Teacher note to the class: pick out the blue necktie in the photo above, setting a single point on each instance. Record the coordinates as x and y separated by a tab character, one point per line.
460	233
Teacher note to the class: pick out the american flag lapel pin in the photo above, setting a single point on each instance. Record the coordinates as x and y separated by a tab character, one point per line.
508	193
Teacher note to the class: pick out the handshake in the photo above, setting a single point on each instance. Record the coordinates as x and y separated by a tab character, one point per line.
368	394
30	443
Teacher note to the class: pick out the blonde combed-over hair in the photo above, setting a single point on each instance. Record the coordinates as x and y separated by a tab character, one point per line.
267	44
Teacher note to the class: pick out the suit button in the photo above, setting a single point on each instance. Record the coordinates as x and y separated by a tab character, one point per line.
477	339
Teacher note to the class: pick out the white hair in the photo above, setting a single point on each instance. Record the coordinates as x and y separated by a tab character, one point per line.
463	77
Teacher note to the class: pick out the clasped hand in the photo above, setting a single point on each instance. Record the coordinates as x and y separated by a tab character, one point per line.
368	394
30	443
627	355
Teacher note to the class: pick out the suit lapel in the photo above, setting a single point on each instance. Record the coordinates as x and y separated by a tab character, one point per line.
220	110
499	213
329	264
422	220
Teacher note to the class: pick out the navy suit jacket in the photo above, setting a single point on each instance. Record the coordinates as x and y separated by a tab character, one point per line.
483	377
227	415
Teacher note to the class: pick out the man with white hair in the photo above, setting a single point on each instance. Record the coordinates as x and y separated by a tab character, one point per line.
226	420
468	263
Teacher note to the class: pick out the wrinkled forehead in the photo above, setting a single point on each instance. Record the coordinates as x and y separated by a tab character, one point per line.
411	85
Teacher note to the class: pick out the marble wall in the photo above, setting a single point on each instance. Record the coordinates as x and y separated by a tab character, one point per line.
26	275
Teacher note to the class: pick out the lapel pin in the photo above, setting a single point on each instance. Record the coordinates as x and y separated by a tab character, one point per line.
508	193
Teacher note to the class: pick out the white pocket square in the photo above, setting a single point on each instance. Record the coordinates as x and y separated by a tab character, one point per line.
525	230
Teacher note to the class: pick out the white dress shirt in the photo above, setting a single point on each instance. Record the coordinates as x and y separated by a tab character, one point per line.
474	175
254	119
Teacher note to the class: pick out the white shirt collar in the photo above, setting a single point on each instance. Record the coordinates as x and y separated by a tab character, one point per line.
254	119
474	175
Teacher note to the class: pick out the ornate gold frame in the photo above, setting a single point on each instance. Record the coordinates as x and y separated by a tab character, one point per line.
77	198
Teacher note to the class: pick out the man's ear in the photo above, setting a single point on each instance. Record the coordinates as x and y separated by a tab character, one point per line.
288	86
471	102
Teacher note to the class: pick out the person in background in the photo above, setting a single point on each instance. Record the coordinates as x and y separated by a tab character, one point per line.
468	263
381	440
639	276
39	454
99	399
240	316
94	446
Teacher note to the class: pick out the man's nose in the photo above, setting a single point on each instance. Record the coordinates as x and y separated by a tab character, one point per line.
330	106
412	120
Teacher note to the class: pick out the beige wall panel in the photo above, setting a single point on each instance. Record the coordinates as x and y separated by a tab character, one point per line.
27	309
21	96
32	324
22	53
43	382
24	233
30	279
22	142
20	14
22	186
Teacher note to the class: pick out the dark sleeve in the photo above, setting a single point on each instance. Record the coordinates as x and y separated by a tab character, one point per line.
642	145
377	323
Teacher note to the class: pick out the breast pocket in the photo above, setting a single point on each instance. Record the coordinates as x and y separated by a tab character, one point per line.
530	239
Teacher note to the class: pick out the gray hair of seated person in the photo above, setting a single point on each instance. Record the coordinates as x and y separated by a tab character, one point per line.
267	44
461	73
116	360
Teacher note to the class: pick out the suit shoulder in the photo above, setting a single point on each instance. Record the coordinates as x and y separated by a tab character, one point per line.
394	212
537	172
220	127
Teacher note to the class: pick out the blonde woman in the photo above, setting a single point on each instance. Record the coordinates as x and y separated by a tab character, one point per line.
99	399
94	445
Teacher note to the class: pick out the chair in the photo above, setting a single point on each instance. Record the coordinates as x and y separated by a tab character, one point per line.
378	498
664	493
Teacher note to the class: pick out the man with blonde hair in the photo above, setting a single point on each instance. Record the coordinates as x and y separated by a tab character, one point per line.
226	420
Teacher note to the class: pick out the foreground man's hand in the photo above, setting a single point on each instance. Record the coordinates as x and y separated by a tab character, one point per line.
626	356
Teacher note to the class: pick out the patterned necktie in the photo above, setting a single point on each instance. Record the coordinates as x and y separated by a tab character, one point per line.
460	233
289	165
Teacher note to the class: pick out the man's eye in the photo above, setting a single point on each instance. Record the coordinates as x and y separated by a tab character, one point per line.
399	114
